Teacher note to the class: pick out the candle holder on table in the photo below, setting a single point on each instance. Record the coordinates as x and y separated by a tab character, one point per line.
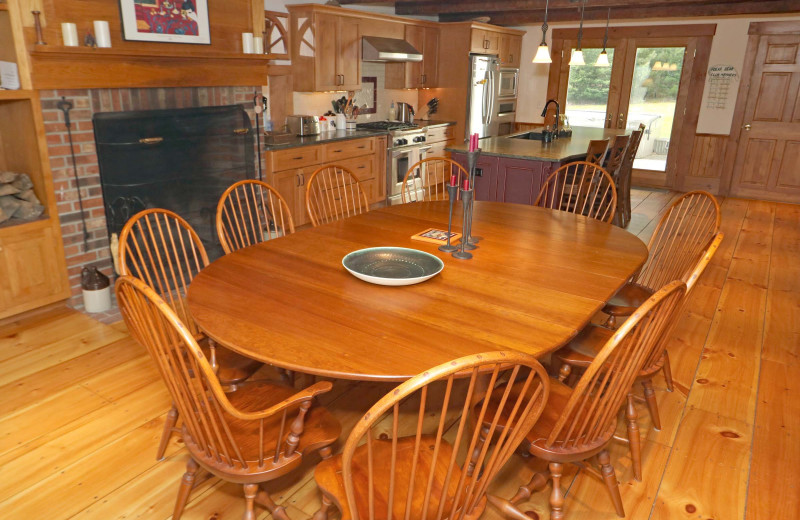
452	191
466	199
472	161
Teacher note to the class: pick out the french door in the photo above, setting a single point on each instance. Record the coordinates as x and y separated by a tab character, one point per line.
646	83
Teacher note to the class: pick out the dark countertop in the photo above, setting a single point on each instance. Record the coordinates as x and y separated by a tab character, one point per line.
429	123
293	141
557	151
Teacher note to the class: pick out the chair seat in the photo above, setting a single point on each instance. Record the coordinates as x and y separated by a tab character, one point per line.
581	351
233	368
328	476
627	300
320	427
537	437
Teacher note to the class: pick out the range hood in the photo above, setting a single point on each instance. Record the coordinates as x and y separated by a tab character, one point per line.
374	48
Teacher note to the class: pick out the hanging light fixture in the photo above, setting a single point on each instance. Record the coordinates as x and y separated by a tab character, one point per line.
543	53
577	54
602	60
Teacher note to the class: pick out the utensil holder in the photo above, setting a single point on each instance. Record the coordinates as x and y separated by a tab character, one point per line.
452	191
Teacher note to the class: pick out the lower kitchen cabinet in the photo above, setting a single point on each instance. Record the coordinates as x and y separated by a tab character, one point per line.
506	179
291	169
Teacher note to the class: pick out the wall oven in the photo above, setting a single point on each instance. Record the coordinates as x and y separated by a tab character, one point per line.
506	116
508	83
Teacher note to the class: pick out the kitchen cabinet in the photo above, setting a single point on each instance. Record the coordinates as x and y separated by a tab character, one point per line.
290	169
439	137
484	41
507	179
326	50
510	50
422	74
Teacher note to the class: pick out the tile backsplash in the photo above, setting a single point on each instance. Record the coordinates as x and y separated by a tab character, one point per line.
317	103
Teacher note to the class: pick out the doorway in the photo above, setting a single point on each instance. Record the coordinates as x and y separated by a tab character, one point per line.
765	135
648	82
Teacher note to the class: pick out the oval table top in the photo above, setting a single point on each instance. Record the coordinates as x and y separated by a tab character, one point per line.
537	278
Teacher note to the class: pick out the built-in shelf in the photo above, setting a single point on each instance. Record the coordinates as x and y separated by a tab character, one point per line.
36	223
59	51
10	95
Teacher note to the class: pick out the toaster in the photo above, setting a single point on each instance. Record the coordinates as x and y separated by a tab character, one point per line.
303	125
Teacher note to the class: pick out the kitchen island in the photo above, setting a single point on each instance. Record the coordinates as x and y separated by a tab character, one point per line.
513	169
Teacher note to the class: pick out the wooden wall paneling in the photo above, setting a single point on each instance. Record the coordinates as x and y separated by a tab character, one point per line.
280	99
705	164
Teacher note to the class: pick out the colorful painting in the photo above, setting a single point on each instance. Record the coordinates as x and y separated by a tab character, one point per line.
175	21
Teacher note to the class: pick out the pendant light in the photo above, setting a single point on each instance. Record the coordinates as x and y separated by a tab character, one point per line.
577	54
543	53
602	60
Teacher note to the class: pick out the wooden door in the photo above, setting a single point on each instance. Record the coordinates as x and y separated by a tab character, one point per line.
326	52
768	151
30	270
430	59
349	55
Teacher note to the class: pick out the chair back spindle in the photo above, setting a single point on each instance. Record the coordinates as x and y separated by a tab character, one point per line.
250	212
616	152
334	193
414	453
597	151
582	188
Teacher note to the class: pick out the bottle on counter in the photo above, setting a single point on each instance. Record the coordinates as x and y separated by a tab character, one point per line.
392	112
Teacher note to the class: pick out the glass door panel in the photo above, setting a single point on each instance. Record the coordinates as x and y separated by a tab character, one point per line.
653	97
588	87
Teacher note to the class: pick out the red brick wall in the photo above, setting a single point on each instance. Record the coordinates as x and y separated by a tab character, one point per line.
86	104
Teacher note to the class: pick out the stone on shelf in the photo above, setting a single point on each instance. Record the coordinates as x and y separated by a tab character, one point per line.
17	198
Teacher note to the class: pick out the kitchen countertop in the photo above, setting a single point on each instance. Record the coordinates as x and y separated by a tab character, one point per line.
430	123
293	141
556	151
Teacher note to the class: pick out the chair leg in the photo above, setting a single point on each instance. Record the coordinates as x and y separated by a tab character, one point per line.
250	492
652	403
187	483
611	322
477	452
326	452
667	372
506	508
564	372
557	495
538	481
262	498
169	424
322	512
610	478
634	440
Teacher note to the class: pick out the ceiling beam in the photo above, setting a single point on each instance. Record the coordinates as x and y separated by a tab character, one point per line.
433	7
520	17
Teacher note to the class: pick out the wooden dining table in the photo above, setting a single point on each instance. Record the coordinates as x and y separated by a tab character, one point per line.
536	279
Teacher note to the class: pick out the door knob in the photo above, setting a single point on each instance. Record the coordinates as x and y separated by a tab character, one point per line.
747	127
621	120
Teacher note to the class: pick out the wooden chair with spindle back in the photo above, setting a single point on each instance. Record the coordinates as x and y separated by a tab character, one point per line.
597	151
257	434
580	187
581	351
414	454
685	230
163	250
428	179
579	423
250	212
623	179
333	193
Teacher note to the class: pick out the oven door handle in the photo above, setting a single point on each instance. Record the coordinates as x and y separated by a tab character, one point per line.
398	153
425	148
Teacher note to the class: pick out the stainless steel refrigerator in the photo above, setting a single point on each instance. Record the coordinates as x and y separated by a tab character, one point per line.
483	93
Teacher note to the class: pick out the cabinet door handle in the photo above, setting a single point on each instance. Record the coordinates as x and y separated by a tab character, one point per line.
511	58
621	120
303	176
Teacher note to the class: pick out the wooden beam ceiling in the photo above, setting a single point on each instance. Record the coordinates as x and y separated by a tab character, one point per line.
518	12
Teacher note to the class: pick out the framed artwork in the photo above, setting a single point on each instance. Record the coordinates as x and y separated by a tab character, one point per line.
172	21
367	96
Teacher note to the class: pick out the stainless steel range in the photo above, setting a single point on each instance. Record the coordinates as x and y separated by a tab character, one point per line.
406	147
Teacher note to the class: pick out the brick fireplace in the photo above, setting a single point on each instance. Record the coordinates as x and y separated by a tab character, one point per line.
87	102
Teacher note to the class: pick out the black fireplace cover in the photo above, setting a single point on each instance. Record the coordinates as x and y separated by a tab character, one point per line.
179	159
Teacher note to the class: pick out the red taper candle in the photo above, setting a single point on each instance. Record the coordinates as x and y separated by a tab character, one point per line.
454	180
466	183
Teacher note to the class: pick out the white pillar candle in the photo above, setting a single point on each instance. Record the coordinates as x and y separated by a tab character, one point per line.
102	34
247	43
69	33
258	45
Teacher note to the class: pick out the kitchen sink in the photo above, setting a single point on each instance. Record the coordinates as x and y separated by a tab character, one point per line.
533	136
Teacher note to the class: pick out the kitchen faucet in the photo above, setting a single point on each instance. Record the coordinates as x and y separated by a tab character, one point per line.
558	114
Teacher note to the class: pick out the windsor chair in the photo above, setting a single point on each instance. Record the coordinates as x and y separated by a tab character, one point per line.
428	179
258	433
582	188
161	248
250	212
333	193
414	455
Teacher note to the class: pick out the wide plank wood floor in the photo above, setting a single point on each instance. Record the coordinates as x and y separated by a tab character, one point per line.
82	406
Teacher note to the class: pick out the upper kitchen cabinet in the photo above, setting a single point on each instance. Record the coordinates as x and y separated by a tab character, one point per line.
326	50
420	74
510	50
485	42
